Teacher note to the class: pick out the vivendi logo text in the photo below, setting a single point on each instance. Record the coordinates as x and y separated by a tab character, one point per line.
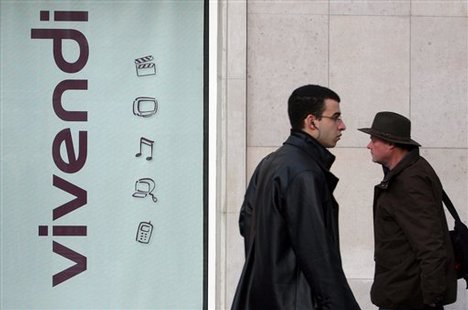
73	162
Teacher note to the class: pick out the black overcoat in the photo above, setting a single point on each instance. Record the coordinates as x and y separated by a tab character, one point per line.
289	221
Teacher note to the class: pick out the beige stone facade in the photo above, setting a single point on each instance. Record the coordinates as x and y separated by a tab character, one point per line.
407	56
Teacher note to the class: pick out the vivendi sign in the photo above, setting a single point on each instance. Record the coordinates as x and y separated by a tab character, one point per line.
102	181
73	163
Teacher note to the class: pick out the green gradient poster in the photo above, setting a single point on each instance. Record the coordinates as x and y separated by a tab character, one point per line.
102	155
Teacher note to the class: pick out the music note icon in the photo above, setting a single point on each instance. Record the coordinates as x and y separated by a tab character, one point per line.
147	142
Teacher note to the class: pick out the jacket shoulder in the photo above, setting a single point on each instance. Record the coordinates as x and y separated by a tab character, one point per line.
420	169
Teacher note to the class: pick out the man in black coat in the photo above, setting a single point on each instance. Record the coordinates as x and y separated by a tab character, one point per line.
289	218
414	263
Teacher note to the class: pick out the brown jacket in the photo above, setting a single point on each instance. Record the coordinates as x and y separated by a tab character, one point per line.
414	264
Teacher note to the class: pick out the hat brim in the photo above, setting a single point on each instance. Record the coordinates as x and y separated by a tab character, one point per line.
388	138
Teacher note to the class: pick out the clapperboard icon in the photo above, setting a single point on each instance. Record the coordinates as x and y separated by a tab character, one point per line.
145	66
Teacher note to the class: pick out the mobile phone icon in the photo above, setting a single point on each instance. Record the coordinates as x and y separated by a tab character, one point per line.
145	229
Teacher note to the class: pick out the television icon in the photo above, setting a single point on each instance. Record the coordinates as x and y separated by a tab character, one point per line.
145	106
144	187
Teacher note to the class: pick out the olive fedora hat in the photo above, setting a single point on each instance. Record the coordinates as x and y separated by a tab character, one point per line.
391	127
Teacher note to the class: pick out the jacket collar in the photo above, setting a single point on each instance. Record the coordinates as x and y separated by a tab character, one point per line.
312	147
411	157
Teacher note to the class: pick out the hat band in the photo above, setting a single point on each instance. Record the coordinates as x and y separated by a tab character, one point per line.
393	137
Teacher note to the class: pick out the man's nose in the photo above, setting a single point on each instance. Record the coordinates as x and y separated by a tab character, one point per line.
342	125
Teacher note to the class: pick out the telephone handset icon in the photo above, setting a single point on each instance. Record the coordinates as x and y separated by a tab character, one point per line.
145	229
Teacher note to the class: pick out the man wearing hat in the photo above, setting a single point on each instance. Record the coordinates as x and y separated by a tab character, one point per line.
414	263
289	218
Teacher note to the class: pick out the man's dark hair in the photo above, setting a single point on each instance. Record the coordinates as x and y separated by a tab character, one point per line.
308	99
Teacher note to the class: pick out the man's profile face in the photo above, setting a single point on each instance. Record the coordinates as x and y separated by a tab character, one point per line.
330	125
380	150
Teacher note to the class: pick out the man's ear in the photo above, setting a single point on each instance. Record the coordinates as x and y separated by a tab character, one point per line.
309	121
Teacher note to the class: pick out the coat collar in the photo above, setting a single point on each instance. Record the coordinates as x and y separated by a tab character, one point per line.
411	157
312	147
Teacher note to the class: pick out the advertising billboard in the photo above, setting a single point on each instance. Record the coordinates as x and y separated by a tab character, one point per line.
103	164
